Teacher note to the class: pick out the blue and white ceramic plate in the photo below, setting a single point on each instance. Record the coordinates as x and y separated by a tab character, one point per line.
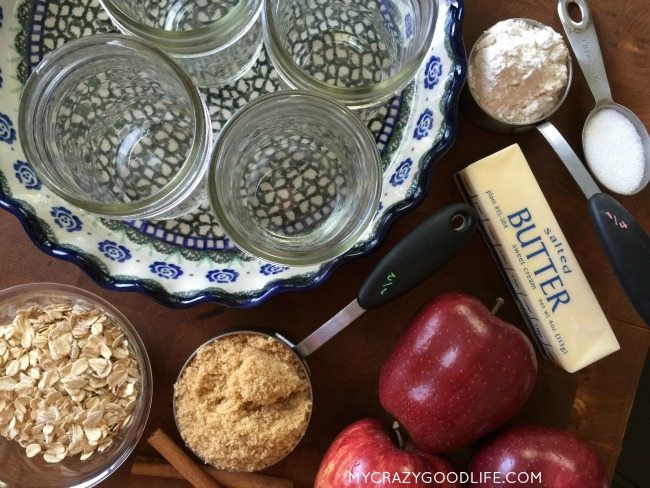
190	260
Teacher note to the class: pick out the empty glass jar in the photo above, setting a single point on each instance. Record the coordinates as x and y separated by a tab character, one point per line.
359	53
295	178
114	126
216	41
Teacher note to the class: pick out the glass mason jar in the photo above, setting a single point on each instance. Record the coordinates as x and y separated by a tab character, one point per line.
216	41
114	126
358	53
295	178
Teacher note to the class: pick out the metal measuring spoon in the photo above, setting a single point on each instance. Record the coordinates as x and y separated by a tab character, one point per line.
626	243
584	42
415	258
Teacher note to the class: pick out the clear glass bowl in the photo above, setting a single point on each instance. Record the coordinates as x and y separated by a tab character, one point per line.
19	471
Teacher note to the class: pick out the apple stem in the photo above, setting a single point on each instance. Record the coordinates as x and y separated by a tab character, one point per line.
398	433
497	305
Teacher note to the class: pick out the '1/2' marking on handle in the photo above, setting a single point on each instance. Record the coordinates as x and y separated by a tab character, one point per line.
389	281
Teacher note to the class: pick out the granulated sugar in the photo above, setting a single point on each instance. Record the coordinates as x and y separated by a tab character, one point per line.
614	151
518	71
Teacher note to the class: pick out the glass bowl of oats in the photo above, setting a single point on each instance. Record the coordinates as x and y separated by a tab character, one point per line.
75	387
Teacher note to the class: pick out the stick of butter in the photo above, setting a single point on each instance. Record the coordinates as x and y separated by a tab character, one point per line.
551	290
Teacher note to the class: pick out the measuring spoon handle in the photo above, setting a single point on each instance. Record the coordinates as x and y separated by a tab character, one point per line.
584	41
627	247
418	255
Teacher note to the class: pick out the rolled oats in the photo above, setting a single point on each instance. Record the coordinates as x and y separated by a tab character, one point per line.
68	381
32	450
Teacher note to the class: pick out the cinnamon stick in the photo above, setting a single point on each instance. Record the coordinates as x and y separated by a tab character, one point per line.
181	461
145	467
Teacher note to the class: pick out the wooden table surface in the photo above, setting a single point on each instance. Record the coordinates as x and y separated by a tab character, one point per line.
593	403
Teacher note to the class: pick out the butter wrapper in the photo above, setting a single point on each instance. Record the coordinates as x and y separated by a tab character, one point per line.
544	276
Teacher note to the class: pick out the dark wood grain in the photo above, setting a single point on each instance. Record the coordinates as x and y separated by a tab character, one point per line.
593	403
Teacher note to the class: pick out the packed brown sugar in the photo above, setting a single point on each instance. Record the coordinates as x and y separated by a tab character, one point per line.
243	402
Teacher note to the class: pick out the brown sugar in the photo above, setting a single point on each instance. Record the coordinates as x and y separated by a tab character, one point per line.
243	402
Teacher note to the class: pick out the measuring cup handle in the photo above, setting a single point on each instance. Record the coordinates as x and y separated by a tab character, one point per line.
413	259
584	41
418	255
627	246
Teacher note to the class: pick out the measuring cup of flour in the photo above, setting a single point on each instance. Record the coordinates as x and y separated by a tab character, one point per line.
615	141
519	74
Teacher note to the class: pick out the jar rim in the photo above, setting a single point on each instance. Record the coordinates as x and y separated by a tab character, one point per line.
46	77
211	37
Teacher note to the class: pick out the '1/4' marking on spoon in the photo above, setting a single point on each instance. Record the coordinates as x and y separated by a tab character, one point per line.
620	224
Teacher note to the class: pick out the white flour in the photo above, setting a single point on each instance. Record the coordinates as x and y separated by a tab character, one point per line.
614	151
518	72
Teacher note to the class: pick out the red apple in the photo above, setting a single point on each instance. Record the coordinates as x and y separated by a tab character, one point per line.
456	373
364	455
533	456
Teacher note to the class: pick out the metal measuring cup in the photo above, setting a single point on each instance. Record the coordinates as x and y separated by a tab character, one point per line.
416	257
584	42
489	121
626	243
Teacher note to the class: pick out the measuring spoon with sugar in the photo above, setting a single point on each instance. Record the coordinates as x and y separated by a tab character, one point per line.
584	42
